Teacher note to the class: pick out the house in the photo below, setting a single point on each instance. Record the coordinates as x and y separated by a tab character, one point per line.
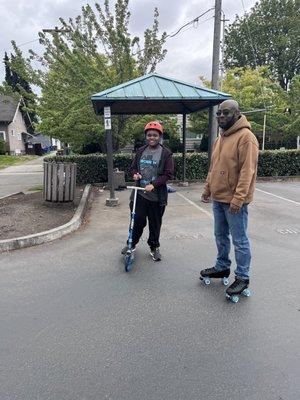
12	126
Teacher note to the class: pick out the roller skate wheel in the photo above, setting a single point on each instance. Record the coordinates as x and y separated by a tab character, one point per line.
206	281
234	298
246	293
225	281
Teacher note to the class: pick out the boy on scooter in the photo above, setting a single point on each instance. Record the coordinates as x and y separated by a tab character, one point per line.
151	168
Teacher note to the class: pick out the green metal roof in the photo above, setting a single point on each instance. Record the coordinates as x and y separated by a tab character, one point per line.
156	94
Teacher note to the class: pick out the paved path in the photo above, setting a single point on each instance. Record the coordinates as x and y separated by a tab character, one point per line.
75	326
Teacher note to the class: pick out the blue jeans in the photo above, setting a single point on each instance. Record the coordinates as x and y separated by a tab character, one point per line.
236	225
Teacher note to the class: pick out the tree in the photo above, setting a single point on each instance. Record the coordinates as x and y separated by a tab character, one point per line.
254	90
17	85
94	52
136	126
266	36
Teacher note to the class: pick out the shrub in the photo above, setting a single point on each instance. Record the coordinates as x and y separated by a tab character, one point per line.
92	168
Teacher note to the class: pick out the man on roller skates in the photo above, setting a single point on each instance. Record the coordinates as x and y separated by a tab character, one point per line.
230	183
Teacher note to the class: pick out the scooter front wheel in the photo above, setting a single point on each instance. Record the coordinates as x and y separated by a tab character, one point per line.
128	259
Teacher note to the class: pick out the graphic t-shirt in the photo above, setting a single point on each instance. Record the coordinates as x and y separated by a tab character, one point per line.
148	169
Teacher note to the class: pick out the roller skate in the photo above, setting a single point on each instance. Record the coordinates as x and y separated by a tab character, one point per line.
237	288
212	273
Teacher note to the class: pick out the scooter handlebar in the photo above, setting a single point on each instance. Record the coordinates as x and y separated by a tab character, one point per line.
135	188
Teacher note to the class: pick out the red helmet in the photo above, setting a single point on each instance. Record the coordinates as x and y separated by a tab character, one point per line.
154	125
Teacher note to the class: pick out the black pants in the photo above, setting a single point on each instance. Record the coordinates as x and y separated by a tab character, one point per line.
154	212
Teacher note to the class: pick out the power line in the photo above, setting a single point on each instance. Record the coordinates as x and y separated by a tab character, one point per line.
31	41
195	20
191	22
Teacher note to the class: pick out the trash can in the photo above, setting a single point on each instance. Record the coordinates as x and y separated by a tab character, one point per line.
59	181
119	179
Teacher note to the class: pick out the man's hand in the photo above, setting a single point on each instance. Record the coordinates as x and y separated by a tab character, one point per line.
137	177
205	198
233	209
149	187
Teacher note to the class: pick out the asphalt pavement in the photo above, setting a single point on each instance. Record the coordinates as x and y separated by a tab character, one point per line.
75	326
21	178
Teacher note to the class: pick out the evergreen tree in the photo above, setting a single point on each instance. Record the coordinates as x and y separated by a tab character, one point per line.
16	84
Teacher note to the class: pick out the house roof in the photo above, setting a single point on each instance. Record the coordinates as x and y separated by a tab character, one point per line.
8	107
156	94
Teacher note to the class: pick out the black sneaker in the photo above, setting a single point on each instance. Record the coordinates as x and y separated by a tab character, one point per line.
125	249
238	286
156	256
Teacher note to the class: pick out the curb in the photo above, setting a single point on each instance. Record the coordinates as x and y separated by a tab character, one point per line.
10	195
52	234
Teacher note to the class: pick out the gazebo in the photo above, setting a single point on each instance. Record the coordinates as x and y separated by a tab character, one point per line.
154	94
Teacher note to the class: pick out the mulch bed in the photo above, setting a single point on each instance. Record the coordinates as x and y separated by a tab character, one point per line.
26	214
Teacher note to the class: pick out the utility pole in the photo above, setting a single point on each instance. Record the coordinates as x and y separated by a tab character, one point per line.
55	30
223	20
213	126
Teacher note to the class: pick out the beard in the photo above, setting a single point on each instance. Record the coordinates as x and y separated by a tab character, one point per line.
228	124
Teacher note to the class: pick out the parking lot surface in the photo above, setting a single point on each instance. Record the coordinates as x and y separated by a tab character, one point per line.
74	325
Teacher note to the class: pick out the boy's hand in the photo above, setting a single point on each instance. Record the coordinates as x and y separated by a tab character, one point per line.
137	177
149	187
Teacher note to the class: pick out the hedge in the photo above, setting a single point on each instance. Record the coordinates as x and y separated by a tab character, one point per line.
92	168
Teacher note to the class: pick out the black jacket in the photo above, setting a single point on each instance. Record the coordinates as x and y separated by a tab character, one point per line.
165	172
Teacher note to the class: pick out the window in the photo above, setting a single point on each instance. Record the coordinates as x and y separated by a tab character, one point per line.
19	136
12	133
2	135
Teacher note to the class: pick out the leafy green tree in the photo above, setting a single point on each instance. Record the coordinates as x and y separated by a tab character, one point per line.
199	123
268	35
254	90
94	52
136	125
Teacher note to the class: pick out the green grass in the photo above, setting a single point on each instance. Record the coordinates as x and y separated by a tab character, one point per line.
7	161
37	188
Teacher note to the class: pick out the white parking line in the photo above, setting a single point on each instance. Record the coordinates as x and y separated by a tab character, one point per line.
196	205
278	197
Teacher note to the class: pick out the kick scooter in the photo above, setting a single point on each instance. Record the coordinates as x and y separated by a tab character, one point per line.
129	256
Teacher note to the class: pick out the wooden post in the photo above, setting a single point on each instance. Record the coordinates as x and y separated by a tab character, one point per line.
264	132
184	183
112	201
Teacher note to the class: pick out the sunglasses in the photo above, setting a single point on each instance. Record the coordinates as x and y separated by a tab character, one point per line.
224	112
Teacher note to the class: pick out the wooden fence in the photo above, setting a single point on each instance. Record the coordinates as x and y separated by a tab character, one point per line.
59	181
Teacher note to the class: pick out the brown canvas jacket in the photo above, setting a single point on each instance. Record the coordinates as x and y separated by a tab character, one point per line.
232	174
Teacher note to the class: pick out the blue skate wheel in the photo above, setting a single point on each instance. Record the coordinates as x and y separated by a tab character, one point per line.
206	281
225	281
246	293
234	298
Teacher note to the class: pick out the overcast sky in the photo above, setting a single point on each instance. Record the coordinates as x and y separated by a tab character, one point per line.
189	53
